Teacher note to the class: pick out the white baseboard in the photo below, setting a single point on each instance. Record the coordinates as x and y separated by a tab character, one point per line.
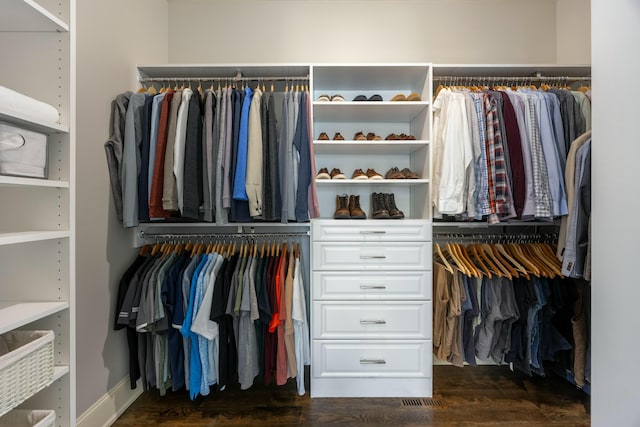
109	407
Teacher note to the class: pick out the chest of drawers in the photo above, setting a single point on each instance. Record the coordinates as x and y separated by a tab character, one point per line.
371	308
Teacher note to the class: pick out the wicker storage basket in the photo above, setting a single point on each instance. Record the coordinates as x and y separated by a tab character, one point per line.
27	368
28	418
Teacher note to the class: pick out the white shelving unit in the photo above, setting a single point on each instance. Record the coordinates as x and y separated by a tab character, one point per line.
371	279
380	117
37	247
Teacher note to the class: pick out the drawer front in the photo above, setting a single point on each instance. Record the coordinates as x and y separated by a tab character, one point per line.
362	320
372	256
371	359
366	285
371	230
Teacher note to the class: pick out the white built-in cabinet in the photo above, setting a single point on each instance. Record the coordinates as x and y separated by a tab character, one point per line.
371	308
37	261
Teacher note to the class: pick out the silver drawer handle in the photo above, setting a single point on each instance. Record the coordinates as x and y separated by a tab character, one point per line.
373	362
373	322
373	256
373	232
373	287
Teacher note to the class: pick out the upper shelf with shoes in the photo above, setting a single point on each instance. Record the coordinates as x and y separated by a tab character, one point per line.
375	117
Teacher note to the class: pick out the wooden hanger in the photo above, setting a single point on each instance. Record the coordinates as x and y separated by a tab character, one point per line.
442	258
514	249
478	260
144	250
505	262
504	271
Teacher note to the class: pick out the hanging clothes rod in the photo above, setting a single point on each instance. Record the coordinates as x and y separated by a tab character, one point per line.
538	77
496	238
237	78
244	235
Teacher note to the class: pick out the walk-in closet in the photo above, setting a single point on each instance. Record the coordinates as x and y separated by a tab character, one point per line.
318	213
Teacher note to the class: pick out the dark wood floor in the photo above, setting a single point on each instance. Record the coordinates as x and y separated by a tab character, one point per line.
482	396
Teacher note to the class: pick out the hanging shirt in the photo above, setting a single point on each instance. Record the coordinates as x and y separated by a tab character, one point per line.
255	165
239	188
131	159
179	146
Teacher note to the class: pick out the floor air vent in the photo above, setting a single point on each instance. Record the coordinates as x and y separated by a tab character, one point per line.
430	403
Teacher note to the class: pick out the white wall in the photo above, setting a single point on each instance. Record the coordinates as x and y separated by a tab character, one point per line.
573	31
439	31
615	236
112	38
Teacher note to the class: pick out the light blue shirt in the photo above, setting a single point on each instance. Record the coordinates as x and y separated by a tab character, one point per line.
239	190
555	171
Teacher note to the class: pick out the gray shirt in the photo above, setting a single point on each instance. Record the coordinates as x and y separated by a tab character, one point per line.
114	146
131	159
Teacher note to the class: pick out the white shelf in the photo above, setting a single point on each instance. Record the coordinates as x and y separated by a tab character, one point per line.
27	15
368	112
368	147
27	123
365	77
59	372
31	236
222	70
15	314
15	181
401	182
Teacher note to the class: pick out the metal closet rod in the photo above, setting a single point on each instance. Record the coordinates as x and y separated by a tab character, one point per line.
509	237
512	78
243	235
222	79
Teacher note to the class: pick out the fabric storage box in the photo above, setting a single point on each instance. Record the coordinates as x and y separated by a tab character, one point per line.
26	366
22	152
28	418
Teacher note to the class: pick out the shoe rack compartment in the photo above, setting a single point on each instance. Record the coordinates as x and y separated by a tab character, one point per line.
382	118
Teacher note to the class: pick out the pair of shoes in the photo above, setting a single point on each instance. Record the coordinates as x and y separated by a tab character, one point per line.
336	97
371	174
411	97
360	136
402	136
348	207
406	173
335	173
371	98
324	137
383	206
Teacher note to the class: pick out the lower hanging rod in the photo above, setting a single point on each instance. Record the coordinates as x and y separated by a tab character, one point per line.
243	235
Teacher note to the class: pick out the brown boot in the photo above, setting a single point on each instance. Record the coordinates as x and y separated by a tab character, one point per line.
342	207
377	207
354	208
390	204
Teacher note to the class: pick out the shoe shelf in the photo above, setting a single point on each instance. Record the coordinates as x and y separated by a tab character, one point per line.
370	147
368	112
31	236
401	182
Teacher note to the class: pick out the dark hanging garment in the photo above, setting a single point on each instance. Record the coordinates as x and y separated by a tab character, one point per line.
143	171
192	190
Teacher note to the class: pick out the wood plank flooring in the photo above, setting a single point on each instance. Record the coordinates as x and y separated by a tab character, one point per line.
482	396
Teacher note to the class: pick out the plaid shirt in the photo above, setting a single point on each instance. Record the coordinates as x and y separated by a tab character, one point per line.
496	165
482	173
540	175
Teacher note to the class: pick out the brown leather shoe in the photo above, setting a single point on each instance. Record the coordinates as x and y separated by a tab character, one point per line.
354	208
394	173
377	207
336	174
359	136
342	208
338	137
323	173
323	136
358	174
372	174
409	174
390	204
